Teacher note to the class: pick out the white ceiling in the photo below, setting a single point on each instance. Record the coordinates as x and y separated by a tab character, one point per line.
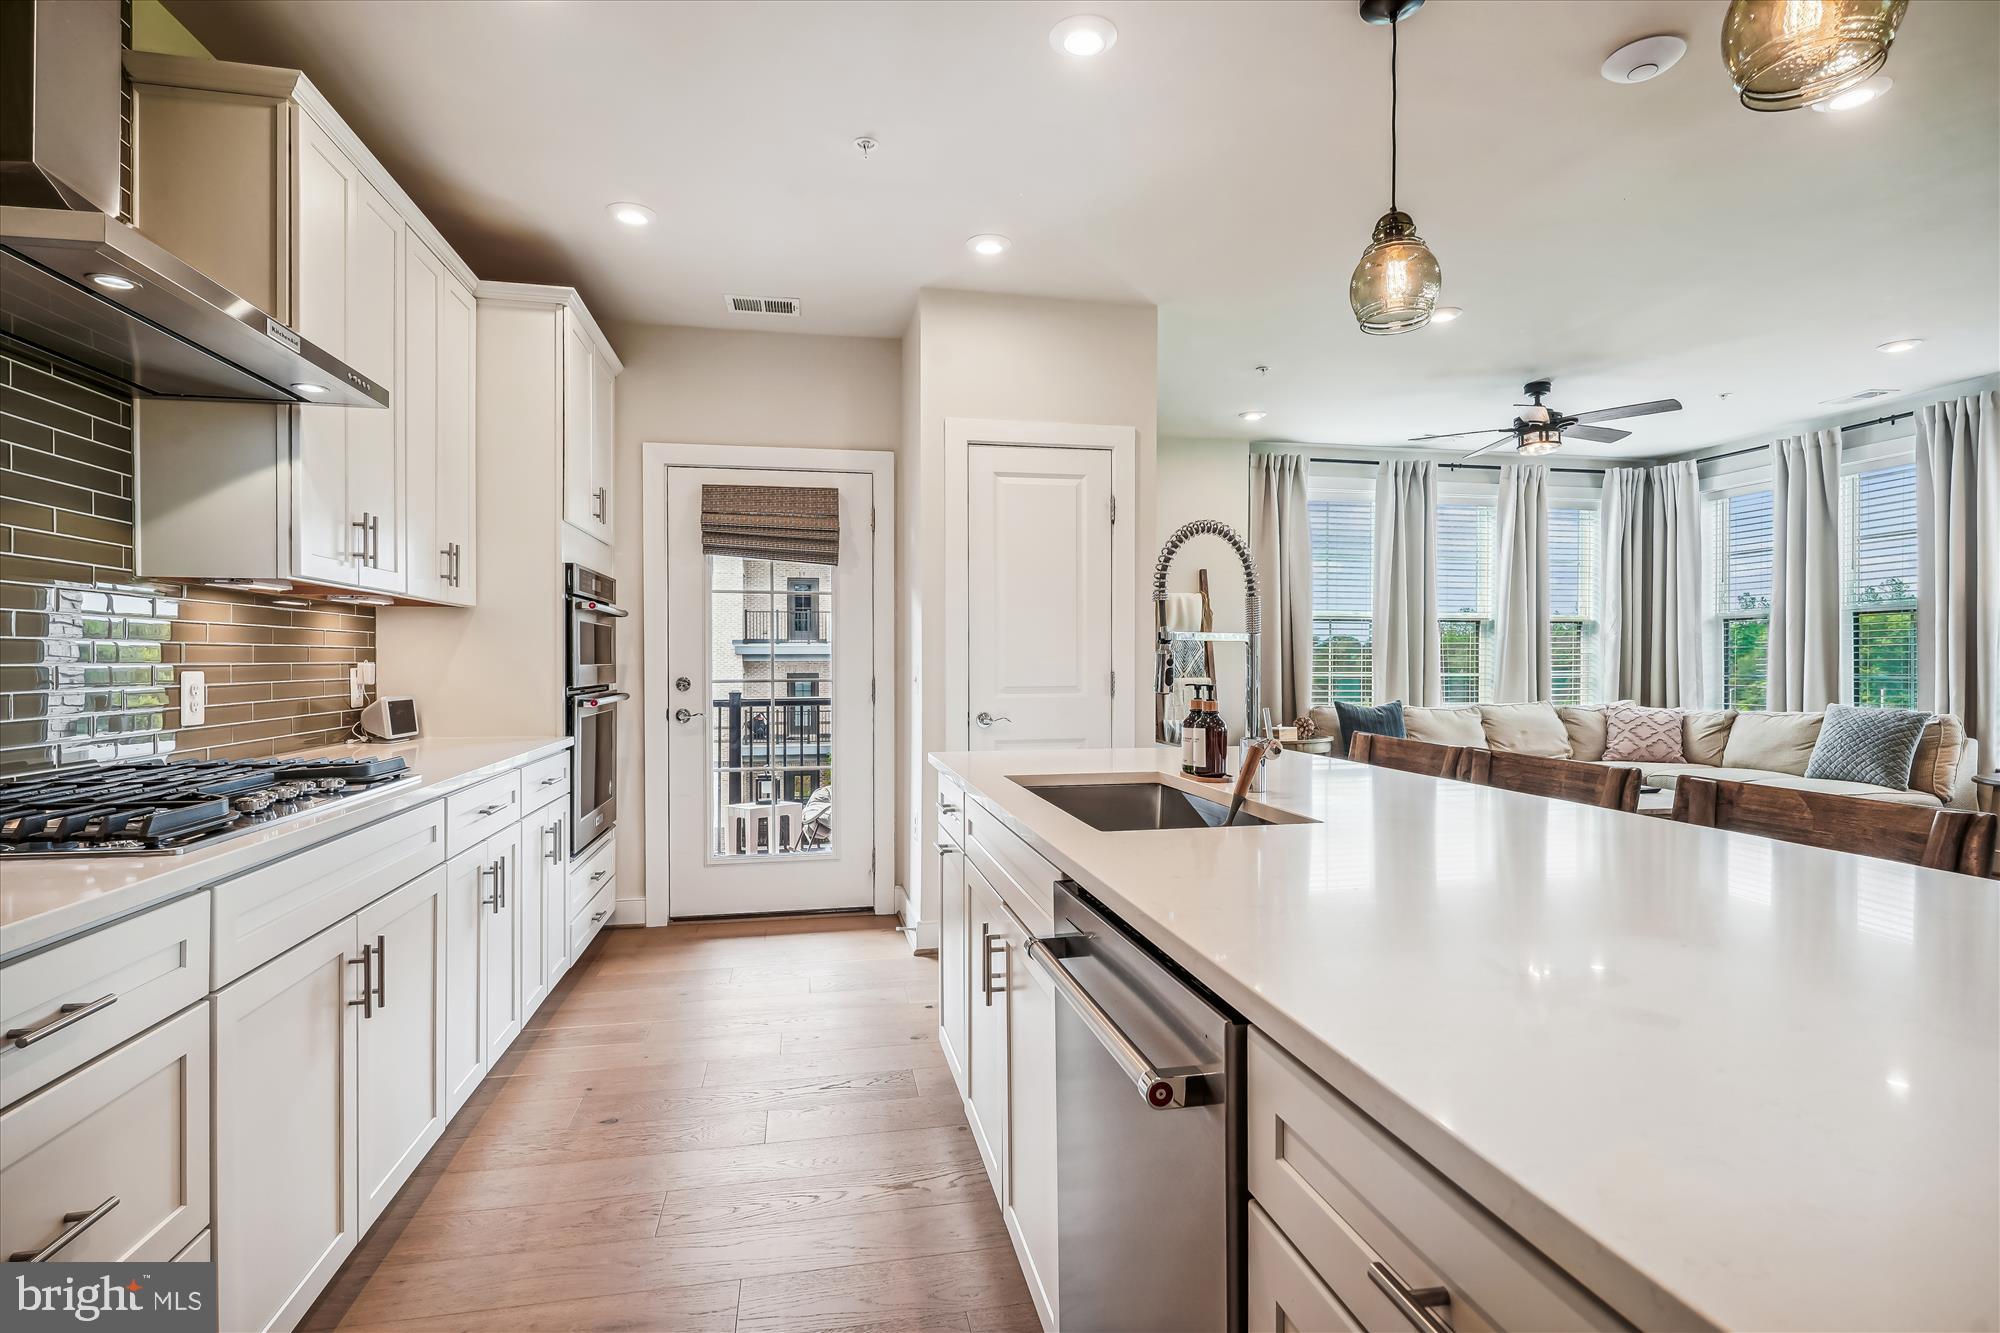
1225	162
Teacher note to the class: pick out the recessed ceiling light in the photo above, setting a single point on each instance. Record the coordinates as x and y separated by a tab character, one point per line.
112	282
309	390
1901	345
1445	314
1256	414
1083	35
1647	58
630	215
1860	94
989	245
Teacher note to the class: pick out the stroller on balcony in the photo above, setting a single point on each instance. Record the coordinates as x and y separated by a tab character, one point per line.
816	821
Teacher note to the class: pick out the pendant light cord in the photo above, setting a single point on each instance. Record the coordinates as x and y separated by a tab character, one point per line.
1392	113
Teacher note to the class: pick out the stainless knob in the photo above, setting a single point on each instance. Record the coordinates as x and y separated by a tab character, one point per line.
988	719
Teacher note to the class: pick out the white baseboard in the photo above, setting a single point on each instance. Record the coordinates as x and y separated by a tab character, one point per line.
628	912
923	935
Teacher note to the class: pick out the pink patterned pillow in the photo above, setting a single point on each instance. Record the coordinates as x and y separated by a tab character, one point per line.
1647	735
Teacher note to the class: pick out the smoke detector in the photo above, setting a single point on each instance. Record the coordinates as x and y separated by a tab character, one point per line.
1647	58
762	305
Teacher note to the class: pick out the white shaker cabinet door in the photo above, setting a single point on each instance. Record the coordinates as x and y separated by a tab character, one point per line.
328	540
531	911
954	973
467	877
374	440
418	402
987	925
402	1091
556	956
457	505
500	947
581	494
287	1206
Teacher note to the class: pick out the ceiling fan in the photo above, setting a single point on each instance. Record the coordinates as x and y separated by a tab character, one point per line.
1540	429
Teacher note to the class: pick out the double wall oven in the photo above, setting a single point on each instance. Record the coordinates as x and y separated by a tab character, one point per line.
590	640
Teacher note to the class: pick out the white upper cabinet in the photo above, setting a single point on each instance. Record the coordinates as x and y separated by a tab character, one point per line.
248	174
587	437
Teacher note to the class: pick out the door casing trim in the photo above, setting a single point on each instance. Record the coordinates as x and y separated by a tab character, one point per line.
880	465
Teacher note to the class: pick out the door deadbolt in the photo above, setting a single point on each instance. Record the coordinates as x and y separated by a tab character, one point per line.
683	684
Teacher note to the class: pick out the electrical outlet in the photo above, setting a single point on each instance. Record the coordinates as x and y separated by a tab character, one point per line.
366	666
357	693
194	697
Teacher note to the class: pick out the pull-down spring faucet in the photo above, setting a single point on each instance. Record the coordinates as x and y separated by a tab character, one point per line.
1253	617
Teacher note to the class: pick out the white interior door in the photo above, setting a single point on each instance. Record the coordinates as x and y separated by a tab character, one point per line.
771	719
1038	597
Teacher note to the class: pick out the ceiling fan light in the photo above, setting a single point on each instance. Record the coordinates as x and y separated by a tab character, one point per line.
1539	440
1785	54
1395	286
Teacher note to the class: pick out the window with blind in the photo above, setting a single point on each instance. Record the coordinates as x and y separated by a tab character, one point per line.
1573	564
1465	598
1878	565
1343	553
1742	602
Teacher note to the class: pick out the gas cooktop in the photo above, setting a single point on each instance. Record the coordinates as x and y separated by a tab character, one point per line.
169	806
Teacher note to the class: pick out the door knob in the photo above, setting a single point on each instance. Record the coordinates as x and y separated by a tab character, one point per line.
988	719
683	715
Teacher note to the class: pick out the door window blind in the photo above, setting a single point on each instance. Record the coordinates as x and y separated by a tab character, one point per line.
772	522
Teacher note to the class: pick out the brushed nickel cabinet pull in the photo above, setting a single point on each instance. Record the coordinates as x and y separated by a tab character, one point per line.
1419	1305
74	1012
361	547
491	868
381	972
74	1225
987	939
366	962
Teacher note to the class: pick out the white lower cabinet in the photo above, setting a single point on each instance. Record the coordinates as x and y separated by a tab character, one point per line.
986	1067
1284	1294
551	827
402	1055
1030	1208
287	1201
111	1163
544	857
500	947
953	1012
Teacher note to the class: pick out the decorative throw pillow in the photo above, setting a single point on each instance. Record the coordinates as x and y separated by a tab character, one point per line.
1525	729
1938	752
1446	726
1644	735
1381	720
1873	745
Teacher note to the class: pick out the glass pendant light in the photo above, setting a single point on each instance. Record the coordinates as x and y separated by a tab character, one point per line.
1785	54
1395	286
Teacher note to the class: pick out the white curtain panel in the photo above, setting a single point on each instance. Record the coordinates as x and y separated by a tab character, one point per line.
1958	544
1804	651
1651	647
1521	627
1406	648
1281	545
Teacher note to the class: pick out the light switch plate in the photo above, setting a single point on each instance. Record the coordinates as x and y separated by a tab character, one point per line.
357	693
194	697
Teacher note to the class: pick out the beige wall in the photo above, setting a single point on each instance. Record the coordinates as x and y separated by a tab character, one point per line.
1012	358
1208	479
710	386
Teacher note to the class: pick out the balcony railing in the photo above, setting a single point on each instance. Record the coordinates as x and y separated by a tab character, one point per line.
787	739
793	626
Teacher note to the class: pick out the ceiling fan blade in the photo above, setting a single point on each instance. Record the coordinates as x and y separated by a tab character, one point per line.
1630	410
1491	444
1455	435
1595	434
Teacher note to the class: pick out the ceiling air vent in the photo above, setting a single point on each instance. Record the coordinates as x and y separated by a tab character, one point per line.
762	305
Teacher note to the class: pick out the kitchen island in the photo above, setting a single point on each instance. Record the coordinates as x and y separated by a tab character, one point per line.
1713	1079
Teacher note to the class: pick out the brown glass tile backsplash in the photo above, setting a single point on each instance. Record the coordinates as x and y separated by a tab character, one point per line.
89	655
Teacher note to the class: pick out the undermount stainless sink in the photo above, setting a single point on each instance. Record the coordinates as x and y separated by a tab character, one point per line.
1126	806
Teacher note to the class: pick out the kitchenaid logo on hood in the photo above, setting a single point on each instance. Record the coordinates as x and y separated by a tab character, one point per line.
156	1298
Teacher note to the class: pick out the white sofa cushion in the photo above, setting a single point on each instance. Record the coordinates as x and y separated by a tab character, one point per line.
1445	726
1525	729
1939	751
1829	786
1665	775
1704	734
1775	742
1585	725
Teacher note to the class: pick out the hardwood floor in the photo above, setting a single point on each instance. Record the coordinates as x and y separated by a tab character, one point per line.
742	1125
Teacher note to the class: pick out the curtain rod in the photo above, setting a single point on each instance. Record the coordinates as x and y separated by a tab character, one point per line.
1891	419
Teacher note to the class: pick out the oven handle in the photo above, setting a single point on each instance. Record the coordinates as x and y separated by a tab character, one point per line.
1163	1089
595	607
599	700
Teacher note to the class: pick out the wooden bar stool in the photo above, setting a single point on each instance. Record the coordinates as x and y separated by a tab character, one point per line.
1960	840
1608	786
1432	761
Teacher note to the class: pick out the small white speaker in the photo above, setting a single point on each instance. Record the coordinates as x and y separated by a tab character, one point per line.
390	719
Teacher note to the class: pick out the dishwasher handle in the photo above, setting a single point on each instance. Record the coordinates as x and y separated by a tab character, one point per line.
1163	1089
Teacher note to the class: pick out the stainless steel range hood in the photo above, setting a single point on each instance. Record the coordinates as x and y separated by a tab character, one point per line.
86	289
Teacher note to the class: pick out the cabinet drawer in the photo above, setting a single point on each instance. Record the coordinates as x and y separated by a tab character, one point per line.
1019	873
199	1250
588	876
474	813
126	1139
543	781
583	927
260	915
123	978
1285	1294
1348	1196
951	809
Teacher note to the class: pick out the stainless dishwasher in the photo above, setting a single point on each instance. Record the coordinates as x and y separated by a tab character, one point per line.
1149	1134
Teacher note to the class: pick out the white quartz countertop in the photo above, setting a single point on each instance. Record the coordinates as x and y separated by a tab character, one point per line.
1718	1079
42	900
